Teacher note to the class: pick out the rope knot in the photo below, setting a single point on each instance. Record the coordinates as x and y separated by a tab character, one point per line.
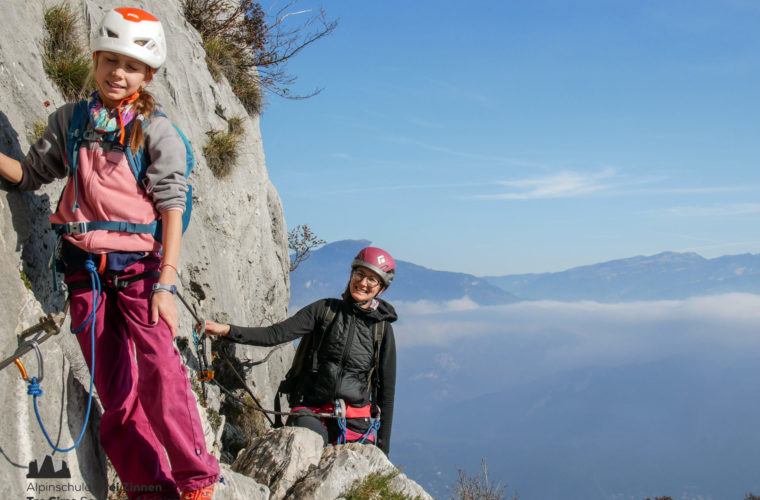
90	266
34	388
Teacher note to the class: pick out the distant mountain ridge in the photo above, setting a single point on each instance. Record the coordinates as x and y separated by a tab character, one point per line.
666	275
325	274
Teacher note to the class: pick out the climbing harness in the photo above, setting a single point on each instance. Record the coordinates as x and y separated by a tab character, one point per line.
342	413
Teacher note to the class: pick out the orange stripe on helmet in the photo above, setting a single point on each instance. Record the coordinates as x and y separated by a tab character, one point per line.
135	15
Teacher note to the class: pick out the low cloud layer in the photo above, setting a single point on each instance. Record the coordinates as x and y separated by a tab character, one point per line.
587	399
535	338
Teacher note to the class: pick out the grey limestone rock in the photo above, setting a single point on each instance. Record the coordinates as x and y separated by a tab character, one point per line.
280	458
334	475
403	485
237	486
234	262
341	467
234	267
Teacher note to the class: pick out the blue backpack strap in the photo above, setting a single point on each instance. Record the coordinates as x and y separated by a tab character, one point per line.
107	225
73	140
189	164
139	161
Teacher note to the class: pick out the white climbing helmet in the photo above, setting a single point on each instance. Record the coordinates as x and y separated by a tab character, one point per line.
134	33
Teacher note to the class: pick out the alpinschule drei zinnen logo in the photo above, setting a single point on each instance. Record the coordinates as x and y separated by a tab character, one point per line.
47	470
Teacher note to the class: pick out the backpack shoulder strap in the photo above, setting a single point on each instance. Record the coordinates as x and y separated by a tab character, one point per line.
378	331
308	345
139	160
331	311
74	136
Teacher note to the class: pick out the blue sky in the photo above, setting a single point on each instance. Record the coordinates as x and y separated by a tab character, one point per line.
510	137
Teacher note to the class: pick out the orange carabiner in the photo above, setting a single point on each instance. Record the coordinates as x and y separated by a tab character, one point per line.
36	347
21	369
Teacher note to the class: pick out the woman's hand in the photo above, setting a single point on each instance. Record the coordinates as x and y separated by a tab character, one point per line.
162	305
213	328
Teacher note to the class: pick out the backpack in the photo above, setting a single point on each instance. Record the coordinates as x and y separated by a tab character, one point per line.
307	355
138	161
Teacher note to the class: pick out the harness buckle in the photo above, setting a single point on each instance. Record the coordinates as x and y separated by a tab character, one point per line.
118	285
91	135
75	227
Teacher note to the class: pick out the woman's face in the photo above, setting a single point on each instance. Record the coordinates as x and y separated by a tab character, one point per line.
364	284
118	77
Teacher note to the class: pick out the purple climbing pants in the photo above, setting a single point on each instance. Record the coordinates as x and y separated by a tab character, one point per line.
150	412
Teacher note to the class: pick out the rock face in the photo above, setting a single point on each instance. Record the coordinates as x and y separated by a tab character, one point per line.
294	464
234	263
234	267
280	458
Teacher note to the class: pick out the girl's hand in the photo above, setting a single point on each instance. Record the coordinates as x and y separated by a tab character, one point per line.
218	329
162	305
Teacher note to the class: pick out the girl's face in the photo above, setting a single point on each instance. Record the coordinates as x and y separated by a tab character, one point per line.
118	77
364	284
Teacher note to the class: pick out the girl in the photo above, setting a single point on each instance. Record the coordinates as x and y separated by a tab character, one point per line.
150	412
352	365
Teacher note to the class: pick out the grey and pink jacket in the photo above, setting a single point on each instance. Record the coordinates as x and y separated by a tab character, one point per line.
107	187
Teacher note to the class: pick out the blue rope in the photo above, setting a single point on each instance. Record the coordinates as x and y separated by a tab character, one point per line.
373	430
94	282
342	425
34	388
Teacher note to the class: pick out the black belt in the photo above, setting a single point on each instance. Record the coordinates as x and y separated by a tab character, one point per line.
114	281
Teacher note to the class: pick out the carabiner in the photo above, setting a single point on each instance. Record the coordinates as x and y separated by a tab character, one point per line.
20	365
200	329
340	408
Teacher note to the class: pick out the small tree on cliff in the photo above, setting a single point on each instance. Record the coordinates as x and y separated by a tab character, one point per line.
301	241
239	36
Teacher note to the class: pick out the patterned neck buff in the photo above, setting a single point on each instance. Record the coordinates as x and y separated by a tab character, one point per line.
104	120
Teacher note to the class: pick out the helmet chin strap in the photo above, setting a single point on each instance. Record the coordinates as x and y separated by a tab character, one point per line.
124	102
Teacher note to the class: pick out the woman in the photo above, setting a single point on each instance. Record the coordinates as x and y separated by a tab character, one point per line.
352	354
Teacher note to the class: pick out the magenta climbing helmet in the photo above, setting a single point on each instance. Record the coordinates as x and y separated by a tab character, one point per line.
377	260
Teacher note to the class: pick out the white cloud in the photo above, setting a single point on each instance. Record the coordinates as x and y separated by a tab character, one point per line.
495	346
446	362
430	307
583	332
559	185
611	182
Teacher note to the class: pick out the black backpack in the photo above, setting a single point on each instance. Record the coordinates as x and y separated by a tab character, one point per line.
307	356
